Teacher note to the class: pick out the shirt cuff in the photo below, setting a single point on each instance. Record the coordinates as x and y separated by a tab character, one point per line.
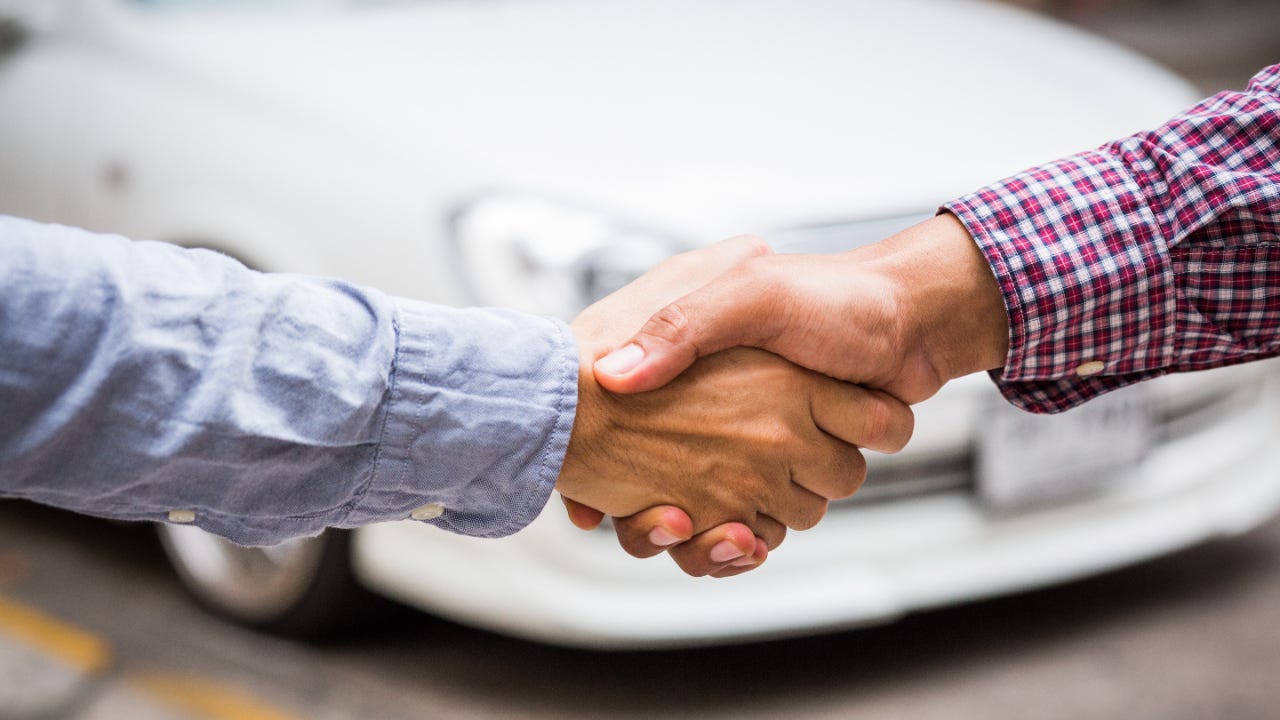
1085	277
481	406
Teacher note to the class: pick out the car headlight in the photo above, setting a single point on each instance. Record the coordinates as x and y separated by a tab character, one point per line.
549	258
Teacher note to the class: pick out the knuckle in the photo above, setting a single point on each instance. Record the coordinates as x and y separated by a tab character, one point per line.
810	516
777	438
887	423
765	273
841	477
842	474
670	324
751	245
875	423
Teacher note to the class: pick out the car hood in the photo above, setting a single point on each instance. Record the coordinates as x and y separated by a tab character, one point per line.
715	116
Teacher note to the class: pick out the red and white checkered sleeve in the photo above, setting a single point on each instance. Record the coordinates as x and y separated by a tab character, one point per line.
1153	254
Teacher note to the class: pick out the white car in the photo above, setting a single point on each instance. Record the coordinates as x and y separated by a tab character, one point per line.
537	153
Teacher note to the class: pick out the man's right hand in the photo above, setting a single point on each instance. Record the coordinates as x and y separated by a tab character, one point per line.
904	315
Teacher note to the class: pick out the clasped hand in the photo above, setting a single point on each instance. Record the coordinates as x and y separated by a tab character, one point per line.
720	461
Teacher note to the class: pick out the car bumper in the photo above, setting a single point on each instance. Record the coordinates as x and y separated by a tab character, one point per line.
863	565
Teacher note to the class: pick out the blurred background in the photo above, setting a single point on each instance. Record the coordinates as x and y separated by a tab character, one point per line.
1215	44
95	623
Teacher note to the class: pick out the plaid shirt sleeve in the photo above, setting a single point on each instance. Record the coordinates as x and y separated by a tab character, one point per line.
1153	254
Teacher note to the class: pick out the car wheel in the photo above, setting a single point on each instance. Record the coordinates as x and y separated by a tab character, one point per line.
301	587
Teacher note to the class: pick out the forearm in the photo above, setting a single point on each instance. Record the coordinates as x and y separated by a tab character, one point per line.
139	378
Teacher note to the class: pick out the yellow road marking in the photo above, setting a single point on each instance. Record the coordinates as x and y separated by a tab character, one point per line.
75	647
206	698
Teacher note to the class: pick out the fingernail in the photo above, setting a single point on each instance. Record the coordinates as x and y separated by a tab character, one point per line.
621	361
725	551
743	562
662	538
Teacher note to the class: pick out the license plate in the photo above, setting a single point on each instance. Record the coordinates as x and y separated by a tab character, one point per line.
1024	460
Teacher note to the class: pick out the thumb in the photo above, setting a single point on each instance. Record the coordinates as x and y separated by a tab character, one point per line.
729	311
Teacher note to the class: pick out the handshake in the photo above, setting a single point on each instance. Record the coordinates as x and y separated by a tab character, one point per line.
740	407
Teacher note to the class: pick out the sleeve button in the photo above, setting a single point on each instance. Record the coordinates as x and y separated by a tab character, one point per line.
182	516
1093	367
430	511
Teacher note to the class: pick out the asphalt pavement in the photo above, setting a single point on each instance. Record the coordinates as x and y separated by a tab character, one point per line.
94	626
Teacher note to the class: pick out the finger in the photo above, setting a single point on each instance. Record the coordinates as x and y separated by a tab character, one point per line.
650	532
745	565
733	309
832	469
867	418
717	549
713	550
580	515
804	510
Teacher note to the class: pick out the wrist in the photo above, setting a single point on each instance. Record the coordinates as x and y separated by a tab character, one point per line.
569	482
952	314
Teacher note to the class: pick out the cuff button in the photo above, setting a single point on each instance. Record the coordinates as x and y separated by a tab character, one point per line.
428	512
1093	367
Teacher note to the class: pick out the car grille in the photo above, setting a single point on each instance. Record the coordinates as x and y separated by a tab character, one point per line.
1195	405
915	478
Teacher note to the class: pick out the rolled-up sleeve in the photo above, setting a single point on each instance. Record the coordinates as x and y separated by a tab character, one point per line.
1155	253
138	379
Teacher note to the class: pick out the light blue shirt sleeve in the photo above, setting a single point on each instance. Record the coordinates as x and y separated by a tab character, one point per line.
137	378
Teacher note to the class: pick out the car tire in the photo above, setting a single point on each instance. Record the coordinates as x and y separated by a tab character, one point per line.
300	588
